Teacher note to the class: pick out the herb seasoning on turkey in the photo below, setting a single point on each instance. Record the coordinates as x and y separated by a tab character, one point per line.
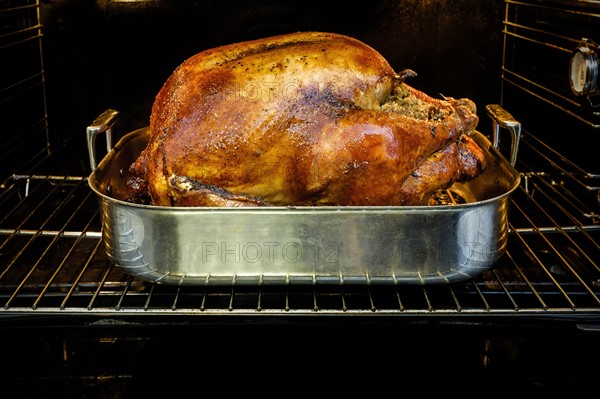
307	118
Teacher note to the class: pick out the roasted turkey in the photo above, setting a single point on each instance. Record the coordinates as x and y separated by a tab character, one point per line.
307	118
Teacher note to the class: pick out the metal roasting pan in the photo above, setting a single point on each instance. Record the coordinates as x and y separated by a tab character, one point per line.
305	245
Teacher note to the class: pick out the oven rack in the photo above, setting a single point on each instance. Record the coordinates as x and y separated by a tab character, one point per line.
52	260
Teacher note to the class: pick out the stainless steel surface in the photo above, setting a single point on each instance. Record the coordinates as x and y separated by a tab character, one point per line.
287	245
501	118
102	124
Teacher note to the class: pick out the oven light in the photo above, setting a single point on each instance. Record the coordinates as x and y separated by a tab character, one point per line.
583	69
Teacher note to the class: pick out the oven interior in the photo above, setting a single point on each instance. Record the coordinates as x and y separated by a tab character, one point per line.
67	61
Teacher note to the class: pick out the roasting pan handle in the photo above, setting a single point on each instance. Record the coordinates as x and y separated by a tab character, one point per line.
102	123
501	118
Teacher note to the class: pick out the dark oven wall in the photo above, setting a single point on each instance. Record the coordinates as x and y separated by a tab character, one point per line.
118	53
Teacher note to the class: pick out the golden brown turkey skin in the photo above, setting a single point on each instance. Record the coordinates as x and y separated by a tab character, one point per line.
460	160
307	118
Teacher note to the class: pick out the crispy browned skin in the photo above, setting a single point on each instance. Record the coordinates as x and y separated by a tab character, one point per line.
301	119
461	160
